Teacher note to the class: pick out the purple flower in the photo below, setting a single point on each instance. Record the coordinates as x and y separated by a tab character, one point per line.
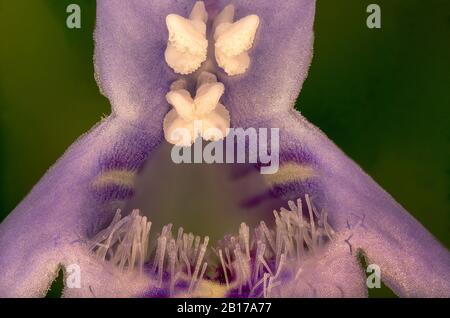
104	205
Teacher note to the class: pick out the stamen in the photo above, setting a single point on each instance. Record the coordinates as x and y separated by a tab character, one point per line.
187	44
233	40
198	12
225	16
202	116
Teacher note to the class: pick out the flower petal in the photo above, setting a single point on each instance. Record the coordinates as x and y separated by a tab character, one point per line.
78	194
332	272
412	262
72	201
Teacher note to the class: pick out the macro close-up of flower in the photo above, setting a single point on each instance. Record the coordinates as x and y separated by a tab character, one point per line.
126	212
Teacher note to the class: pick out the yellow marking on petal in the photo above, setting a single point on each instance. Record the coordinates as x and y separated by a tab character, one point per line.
118	177
209	289
290	172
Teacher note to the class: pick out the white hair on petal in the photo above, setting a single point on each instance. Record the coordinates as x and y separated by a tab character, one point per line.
124	242
293	238
182	257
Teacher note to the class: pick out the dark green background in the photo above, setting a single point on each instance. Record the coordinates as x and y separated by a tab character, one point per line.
382	95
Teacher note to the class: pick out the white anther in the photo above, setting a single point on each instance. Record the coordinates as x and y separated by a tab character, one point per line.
187	44
178	84
202	116
233	40
198	12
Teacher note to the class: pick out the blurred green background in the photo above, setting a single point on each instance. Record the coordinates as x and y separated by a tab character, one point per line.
382	95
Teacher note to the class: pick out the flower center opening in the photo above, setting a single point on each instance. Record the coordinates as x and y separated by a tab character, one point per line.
207	233
206	199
